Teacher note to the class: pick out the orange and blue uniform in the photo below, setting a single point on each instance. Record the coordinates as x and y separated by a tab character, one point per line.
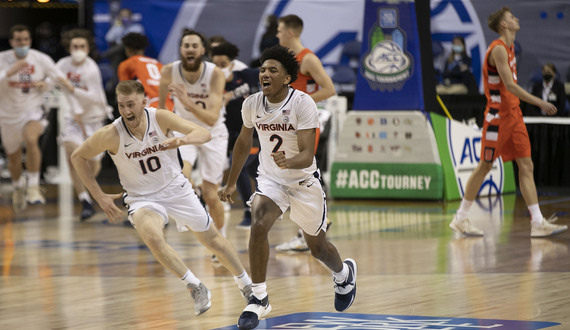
307	84
504	131
147	71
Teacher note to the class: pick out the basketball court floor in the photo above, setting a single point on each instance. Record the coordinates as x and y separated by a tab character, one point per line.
413	272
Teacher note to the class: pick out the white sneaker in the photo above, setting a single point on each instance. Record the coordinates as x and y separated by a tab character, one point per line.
297	244
35	196
19	199
465	227
201	296
254	311
546	229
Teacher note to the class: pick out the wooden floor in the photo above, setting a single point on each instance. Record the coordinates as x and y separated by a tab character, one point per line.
58	273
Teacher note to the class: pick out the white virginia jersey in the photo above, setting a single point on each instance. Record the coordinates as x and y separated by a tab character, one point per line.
144	168
277	131
17	92
197	92
91	101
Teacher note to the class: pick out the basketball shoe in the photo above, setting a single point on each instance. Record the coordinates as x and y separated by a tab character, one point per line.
296	244
35	196
19	199
547	228
254	311
345	292
201	296
87	211
465	227
247	292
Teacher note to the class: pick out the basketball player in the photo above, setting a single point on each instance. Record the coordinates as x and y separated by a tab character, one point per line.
504	131
23	73
197	88
142	68
311	79
144	150
88	107
285	120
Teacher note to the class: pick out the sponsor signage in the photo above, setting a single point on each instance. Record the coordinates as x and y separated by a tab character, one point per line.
390	71
460	149
386	154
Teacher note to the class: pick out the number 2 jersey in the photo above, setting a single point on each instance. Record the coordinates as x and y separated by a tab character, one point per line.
143	168
277	126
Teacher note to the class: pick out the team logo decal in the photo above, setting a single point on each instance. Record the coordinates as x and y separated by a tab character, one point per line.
388	65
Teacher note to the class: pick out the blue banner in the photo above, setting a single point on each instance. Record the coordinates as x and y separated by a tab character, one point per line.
390	67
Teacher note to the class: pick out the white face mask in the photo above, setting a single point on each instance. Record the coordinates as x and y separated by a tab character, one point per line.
227	71
78	56
22	51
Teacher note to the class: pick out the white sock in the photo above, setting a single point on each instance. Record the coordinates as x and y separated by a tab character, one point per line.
84	196
259	290
242	280
189	278
33	179
464	208
20	183
535	214
342	275
224	230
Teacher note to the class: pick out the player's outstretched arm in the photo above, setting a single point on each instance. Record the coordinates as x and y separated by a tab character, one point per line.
105	139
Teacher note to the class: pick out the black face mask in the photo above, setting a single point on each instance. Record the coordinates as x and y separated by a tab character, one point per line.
547	77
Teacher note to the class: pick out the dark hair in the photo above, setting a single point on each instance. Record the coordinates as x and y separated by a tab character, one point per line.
495	18
189	32
226	48
19	28
551	66
128	87
135	41
285	57
463	53
77	33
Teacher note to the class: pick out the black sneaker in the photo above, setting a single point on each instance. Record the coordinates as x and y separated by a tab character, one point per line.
246	221
254	311
345	292
87	210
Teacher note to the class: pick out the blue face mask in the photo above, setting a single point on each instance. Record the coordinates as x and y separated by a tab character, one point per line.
22	51
457	48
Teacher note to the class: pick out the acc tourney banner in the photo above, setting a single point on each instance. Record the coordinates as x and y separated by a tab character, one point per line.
390	71
460	150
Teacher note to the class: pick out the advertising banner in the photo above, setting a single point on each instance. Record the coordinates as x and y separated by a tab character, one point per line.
386	154
390	66
459	146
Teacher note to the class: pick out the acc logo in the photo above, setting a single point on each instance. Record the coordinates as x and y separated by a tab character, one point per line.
387	66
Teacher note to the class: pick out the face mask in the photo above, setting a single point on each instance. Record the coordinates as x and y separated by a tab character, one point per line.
458	48
547	77
227	71
22	51
126	21
78	56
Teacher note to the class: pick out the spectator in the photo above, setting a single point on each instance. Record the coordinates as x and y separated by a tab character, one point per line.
123	25
458	70
549	89
268	39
